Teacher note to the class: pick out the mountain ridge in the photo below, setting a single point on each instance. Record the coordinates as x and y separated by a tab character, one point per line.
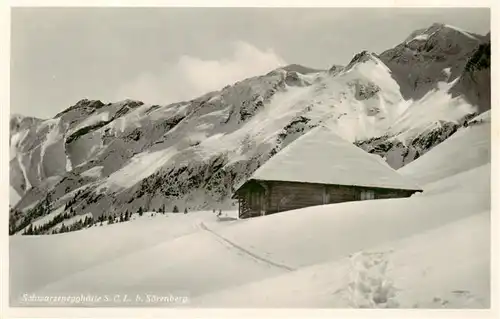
107	158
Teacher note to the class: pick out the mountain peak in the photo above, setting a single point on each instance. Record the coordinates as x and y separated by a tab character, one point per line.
363	56
438	25
82	104
299	69
430	55
87	102
441	30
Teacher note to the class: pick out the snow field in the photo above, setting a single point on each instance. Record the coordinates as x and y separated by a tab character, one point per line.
226	263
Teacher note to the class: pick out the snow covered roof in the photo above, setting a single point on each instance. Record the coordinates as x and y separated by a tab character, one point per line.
321	156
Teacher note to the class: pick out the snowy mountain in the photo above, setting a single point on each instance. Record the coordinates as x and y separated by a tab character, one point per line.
104	159
428	56
444	75
431	250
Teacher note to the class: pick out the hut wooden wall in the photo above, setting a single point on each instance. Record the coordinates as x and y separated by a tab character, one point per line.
282	196
340	194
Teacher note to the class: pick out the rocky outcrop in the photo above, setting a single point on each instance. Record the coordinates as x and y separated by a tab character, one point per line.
429	56
475	81
398	153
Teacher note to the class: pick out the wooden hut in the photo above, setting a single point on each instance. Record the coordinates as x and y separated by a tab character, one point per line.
316	169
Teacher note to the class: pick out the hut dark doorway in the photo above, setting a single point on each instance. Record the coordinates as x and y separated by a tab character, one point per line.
251	200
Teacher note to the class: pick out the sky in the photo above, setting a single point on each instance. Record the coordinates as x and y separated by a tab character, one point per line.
164	55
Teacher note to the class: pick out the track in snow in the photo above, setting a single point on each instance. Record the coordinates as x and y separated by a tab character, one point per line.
370	287
243	250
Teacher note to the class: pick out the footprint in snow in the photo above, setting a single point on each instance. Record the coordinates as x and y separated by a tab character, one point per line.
369	285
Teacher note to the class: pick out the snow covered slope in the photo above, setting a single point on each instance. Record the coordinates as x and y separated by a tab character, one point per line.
411	272
13	196
205	146
109	158
444	75
424	124
436	164
312	257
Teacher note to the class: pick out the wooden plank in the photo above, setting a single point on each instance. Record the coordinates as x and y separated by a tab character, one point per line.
281	196
269	194
286	196
252	202
340	194
326	195
264	203
239	207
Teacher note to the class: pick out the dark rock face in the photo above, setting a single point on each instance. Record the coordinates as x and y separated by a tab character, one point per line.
418	64
249	108
480	59
475	81
293	79
362	57
85	130
365	90
297	127
398	154
85	105
335	69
